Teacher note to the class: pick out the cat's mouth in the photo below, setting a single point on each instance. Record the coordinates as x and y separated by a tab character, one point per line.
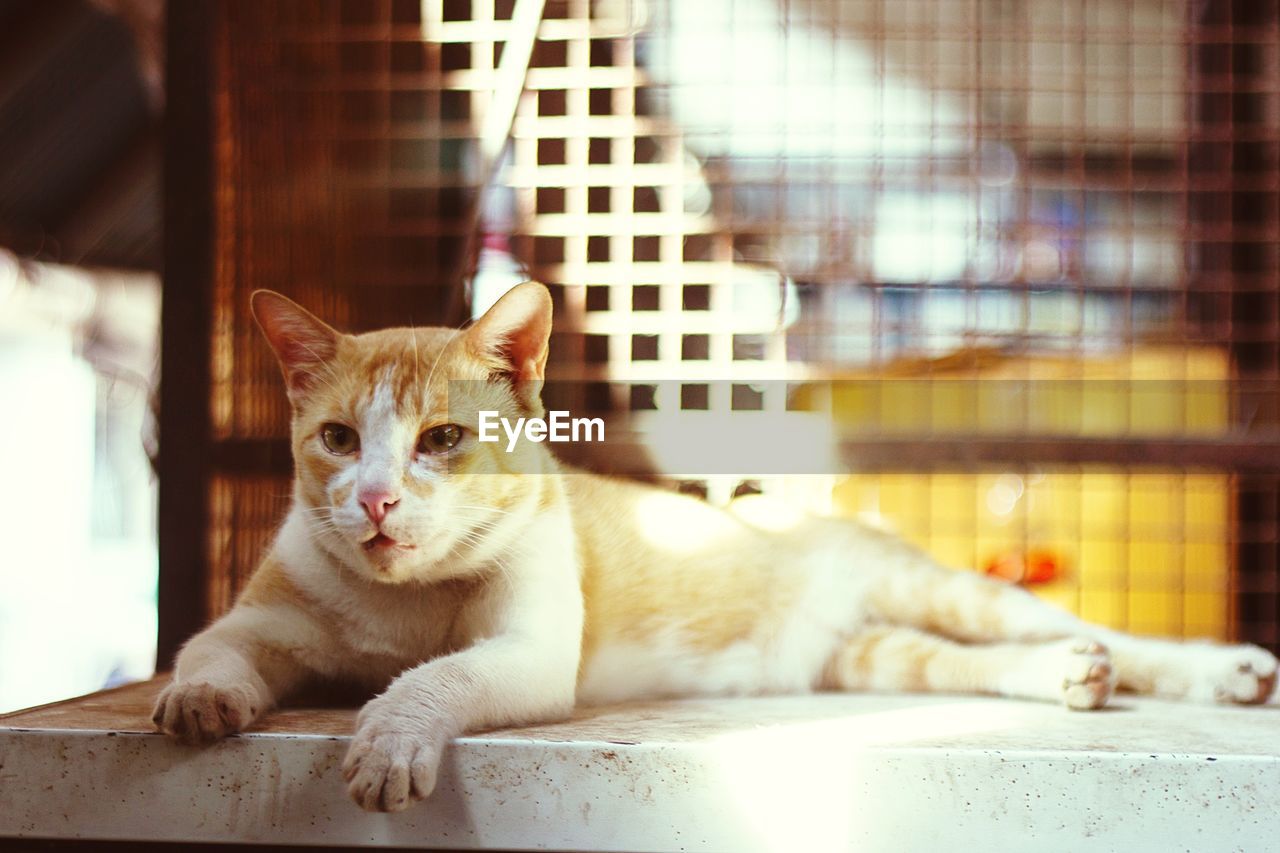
382	542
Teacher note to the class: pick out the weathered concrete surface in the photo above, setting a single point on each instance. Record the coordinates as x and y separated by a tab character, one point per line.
831	772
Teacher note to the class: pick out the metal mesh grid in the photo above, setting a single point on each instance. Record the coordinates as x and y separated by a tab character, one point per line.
244	511
754	190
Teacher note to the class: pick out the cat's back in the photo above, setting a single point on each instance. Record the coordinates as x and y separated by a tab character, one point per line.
642	528
652	558
683	597
623	522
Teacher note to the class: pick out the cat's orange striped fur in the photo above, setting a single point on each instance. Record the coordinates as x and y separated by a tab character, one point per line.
476	588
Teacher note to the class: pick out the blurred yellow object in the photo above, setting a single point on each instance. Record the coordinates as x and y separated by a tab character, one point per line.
1147	550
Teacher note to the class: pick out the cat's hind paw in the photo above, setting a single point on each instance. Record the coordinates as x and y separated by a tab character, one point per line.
199	713
1243	675
1088	680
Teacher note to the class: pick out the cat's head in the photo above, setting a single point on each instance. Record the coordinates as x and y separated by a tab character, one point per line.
389	473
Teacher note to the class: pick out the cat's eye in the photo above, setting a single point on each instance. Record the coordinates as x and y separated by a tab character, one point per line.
340	439
439	439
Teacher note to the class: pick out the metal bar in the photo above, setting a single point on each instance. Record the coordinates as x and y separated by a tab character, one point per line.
913	453
499	118
189	138
1230	103
252	456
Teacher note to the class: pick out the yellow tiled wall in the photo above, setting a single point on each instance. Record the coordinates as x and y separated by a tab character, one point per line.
1147	552
1142	549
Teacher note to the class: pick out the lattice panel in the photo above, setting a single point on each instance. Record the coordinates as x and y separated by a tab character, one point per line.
735	201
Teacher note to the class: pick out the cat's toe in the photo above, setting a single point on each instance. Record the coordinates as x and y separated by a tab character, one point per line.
1088	680
422	774
162	704
375	780
1244	675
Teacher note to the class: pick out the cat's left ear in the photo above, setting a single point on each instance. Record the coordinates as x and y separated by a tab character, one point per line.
303	344
513	337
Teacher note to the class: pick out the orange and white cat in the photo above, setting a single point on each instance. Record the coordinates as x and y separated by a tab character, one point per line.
478	588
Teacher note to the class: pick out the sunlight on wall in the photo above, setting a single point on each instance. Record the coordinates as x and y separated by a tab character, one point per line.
735	67
77	538
46	445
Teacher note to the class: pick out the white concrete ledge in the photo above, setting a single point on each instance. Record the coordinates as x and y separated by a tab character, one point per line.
831	772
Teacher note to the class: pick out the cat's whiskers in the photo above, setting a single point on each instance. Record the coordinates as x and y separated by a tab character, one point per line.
470	537
432	372
324	524
487	520
503	568
317	512
513	549
413	336
320	517
476	542
479	537
494	559
485	508
325	368
318	535
320	522
480	526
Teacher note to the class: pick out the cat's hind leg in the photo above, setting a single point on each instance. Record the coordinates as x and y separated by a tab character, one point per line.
909	588
1076	672
917	592
1200	671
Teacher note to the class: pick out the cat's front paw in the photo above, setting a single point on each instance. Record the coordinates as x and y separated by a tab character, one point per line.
1244	675
392	761
200	712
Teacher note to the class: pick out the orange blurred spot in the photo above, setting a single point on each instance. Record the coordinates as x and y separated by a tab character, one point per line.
1034	566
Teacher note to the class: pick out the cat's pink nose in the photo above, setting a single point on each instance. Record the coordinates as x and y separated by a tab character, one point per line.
377	504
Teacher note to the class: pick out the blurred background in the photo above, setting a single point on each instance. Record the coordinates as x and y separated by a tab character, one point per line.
80	246
1019	259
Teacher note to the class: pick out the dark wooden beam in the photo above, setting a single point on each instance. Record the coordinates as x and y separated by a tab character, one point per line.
933	452
1233	285
185	436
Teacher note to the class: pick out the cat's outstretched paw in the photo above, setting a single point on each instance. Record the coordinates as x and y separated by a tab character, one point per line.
1088	680
201	712
1244	675
392	761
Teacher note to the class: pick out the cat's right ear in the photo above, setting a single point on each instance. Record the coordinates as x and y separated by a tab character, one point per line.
303	344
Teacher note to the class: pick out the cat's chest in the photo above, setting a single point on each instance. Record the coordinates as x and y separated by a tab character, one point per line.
395	628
